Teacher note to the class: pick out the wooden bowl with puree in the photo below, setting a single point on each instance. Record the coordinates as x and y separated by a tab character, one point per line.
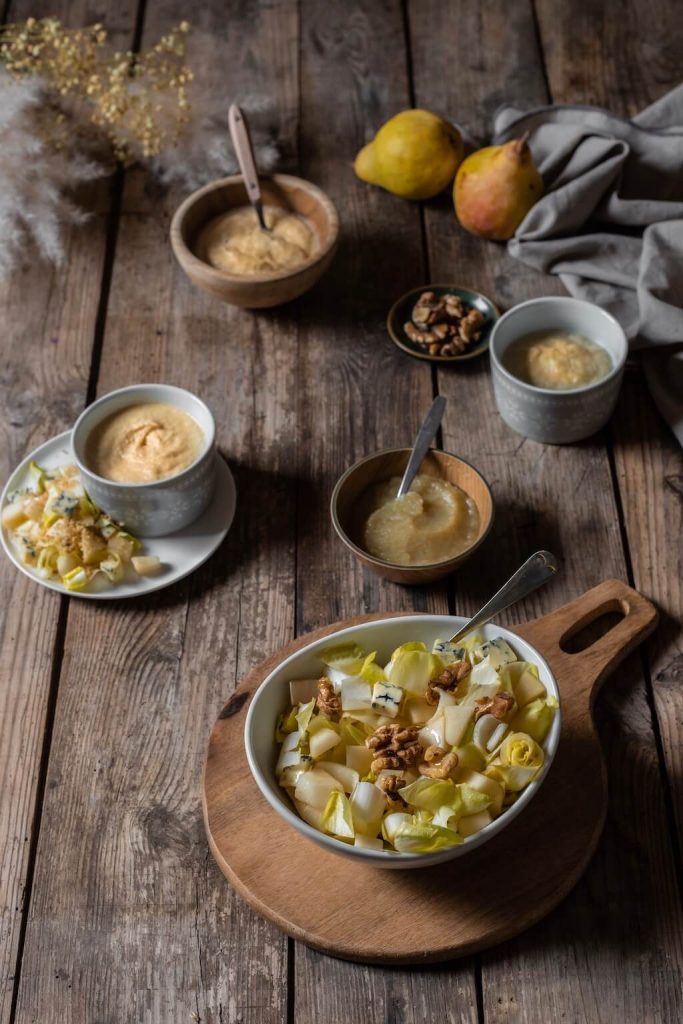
348	509
261	289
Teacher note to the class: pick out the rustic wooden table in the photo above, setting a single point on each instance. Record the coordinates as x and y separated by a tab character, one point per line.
112	908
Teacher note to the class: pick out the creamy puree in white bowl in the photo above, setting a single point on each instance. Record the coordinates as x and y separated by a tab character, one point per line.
144	442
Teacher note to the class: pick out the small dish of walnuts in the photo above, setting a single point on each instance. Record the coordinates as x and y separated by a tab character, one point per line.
442	323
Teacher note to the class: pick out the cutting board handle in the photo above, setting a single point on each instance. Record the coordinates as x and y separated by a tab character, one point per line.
589	667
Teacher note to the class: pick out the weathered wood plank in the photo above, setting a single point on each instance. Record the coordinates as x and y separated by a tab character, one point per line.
357	394
572	965
649	467
639	63
49	318
623	58
130	918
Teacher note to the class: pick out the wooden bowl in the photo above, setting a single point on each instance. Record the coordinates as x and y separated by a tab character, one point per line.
266	289
347	516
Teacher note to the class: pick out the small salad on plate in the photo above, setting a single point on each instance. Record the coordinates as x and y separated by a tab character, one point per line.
59	533
416	755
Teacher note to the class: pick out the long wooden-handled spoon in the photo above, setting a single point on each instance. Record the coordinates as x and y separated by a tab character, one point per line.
241	140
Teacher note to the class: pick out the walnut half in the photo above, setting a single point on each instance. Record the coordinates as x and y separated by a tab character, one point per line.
498	705
390	785
448	680
440	770
327	701
395	746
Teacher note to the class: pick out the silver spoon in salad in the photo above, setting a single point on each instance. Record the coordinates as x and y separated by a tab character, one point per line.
244	151
536	571
425	436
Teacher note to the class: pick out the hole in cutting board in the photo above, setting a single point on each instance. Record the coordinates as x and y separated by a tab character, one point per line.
585	636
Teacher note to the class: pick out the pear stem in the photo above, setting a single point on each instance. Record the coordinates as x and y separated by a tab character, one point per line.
520	147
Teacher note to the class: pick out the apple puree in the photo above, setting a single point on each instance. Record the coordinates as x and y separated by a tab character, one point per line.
557	360
434	521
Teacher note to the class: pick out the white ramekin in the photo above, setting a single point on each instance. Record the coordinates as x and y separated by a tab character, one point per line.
383	636
542	414
163	506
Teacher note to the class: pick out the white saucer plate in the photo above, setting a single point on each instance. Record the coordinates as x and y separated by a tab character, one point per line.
180	553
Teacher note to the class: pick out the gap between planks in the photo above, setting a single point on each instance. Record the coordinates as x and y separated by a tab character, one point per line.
113	218
450	585
667	788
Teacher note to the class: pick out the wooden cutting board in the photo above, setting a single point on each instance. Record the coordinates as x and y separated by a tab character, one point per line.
373	915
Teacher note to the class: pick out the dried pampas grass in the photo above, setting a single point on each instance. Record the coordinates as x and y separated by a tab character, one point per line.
35	178
56	134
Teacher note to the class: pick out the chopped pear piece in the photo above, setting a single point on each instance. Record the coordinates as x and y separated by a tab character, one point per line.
457	720
13	516
356	695
368	843
474	823
146	565
322	741
367	807
312	815
527	688
359	759
347	776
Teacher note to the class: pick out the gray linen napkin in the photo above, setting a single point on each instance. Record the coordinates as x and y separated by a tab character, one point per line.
611	221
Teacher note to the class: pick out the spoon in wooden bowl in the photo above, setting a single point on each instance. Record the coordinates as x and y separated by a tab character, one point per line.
536	571
244	151
424	438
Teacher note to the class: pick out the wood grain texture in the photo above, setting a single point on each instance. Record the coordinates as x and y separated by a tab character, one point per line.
561	499
130	919
636	61
649	465
49	316
595	57
641	62
449	907
357	394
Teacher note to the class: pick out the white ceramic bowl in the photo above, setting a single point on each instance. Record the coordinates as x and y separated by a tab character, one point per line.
557	417
164	506
383	636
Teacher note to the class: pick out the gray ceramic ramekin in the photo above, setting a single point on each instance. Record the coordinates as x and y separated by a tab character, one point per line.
557	417
163	506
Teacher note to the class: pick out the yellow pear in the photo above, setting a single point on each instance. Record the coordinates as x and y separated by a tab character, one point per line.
495	188
414	155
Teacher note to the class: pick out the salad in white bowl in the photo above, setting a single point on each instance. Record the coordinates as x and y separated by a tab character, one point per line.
416	754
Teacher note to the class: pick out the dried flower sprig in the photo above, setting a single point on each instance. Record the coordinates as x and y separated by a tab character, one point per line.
67	106
137	101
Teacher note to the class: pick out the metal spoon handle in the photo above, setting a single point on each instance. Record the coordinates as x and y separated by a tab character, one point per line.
536	570
422	442
241	140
